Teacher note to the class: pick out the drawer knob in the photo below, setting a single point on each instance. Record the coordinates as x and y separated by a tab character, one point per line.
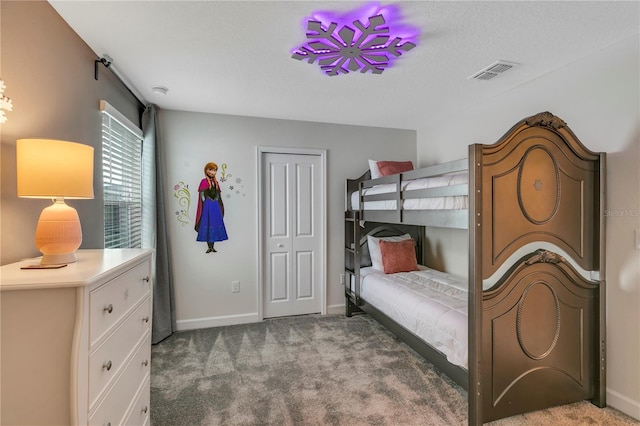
145	319
107	365
146	279
144	410
109	308
145	362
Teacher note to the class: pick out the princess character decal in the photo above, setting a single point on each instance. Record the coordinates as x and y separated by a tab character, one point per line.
210	212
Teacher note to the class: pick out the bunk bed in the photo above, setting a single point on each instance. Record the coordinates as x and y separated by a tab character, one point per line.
534	301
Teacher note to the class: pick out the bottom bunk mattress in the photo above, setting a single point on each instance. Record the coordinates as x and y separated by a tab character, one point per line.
428	303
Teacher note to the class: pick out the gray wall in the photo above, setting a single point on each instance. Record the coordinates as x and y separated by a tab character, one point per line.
49	75
203	281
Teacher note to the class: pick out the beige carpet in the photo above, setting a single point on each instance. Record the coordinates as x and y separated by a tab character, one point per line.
580	413
316	370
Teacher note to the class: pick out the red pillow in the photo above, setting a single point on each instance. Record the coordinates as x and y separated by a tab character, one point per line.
398	256
392	167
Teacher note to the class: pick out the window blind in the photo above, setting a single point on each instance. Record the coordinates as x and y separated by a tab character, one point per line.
122	179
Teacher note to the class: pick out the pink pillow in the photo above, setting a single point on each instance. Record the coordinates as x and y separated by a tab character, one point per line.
392	167
398	256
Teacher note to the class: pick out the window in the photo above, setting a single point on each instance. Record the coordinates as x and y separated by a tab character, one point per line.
122	179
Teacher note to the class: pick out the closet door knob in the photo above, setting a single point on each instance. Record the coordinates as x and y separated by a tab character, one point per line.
109	308
280	245
145	362
107	365
145	319
144	410
146	279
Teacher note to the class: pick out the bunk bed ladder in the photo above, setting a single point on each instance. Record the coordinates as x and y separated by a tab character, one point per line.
352	263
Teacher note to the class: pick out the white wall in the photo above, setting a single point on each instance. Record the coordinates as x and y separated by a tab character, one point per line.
203	281
599	98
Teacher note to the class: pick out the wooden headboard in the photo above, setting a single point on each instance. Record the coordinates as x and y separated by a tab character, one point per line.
538	183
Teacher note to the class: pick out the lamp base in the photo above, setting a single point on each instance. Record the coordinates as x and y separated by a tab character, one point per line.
58	234
58	259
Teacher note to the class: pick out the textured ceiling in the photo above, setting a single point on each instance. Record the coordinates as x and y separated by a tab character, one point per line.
234	57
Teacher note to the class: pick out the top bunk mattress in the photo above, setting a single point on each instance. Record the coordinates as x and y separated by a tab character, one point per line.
453	202
430	304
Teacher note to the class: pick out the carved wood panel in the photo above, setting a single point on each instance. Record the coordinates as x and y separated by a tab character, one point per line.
539	184
539	331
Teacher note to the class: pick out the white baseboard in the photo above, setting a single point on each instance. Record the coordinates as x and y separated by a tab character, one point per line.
624	404
192	324
335	309
196	323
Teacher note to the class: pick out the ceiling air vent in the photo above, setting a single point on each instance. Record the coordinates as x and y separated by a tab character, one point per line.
493	70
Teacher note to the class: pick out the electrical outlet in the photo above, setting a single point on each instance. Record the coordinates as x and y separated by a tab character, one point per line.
341	279
235	286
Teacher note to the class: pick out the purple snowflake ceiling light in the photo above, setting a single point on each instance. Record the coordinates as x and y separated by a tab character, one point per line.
369	38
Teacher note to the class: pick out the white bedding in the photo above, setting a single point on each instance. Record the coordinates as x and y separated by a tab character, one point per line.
432	203
428	303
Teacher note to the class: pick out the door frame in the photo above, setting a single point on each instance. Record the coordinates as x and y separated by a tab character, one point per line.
322	153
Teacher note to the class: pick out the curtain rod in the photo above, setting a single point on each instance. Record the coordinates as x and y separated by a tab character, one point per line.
108	62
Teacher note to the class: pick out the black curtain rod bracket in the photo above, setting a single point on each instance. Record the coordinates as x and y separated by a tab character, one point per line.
107	61
104	61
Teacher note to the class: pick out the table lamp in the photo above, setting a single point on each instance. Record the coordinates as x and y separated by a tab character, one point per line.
57	170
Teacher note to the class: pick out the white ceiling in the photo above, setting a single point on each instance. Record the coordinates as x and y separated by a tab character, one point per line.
233	57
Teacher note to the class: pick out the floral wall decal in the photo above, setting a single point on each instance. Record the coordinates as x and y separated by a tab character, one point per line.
224	176
183	195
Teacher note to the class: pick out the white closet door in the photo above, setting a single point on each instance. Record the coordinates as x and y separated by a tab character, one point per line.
292	258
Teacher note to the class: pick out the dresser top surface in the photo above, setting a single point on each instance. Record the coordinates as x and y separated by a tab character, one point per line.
92	266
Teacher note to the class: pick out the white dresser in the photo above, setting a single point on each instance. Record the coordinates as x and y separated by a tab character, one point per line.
75	342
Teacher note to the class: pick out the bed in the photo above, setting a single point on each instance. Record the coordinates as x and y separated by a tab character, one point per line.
433	196
533	301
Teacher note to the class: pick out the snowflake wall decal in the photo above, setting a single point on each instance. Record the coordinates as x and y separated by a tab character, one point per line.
356	40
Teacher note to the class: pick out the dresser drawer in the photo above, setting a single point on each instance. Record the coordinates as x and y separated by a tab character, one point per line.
108	359
113	408
111	302
139	414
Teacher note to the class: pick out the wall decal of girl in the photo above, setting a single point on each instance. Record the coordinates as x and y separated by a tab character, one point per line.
210	212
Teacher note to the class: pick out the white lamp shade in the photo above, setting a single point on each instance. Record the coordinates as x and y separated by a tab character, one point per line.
53	169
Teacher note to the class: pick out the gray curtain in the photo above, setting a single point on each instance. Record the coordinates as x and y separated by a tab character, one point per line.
155	233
